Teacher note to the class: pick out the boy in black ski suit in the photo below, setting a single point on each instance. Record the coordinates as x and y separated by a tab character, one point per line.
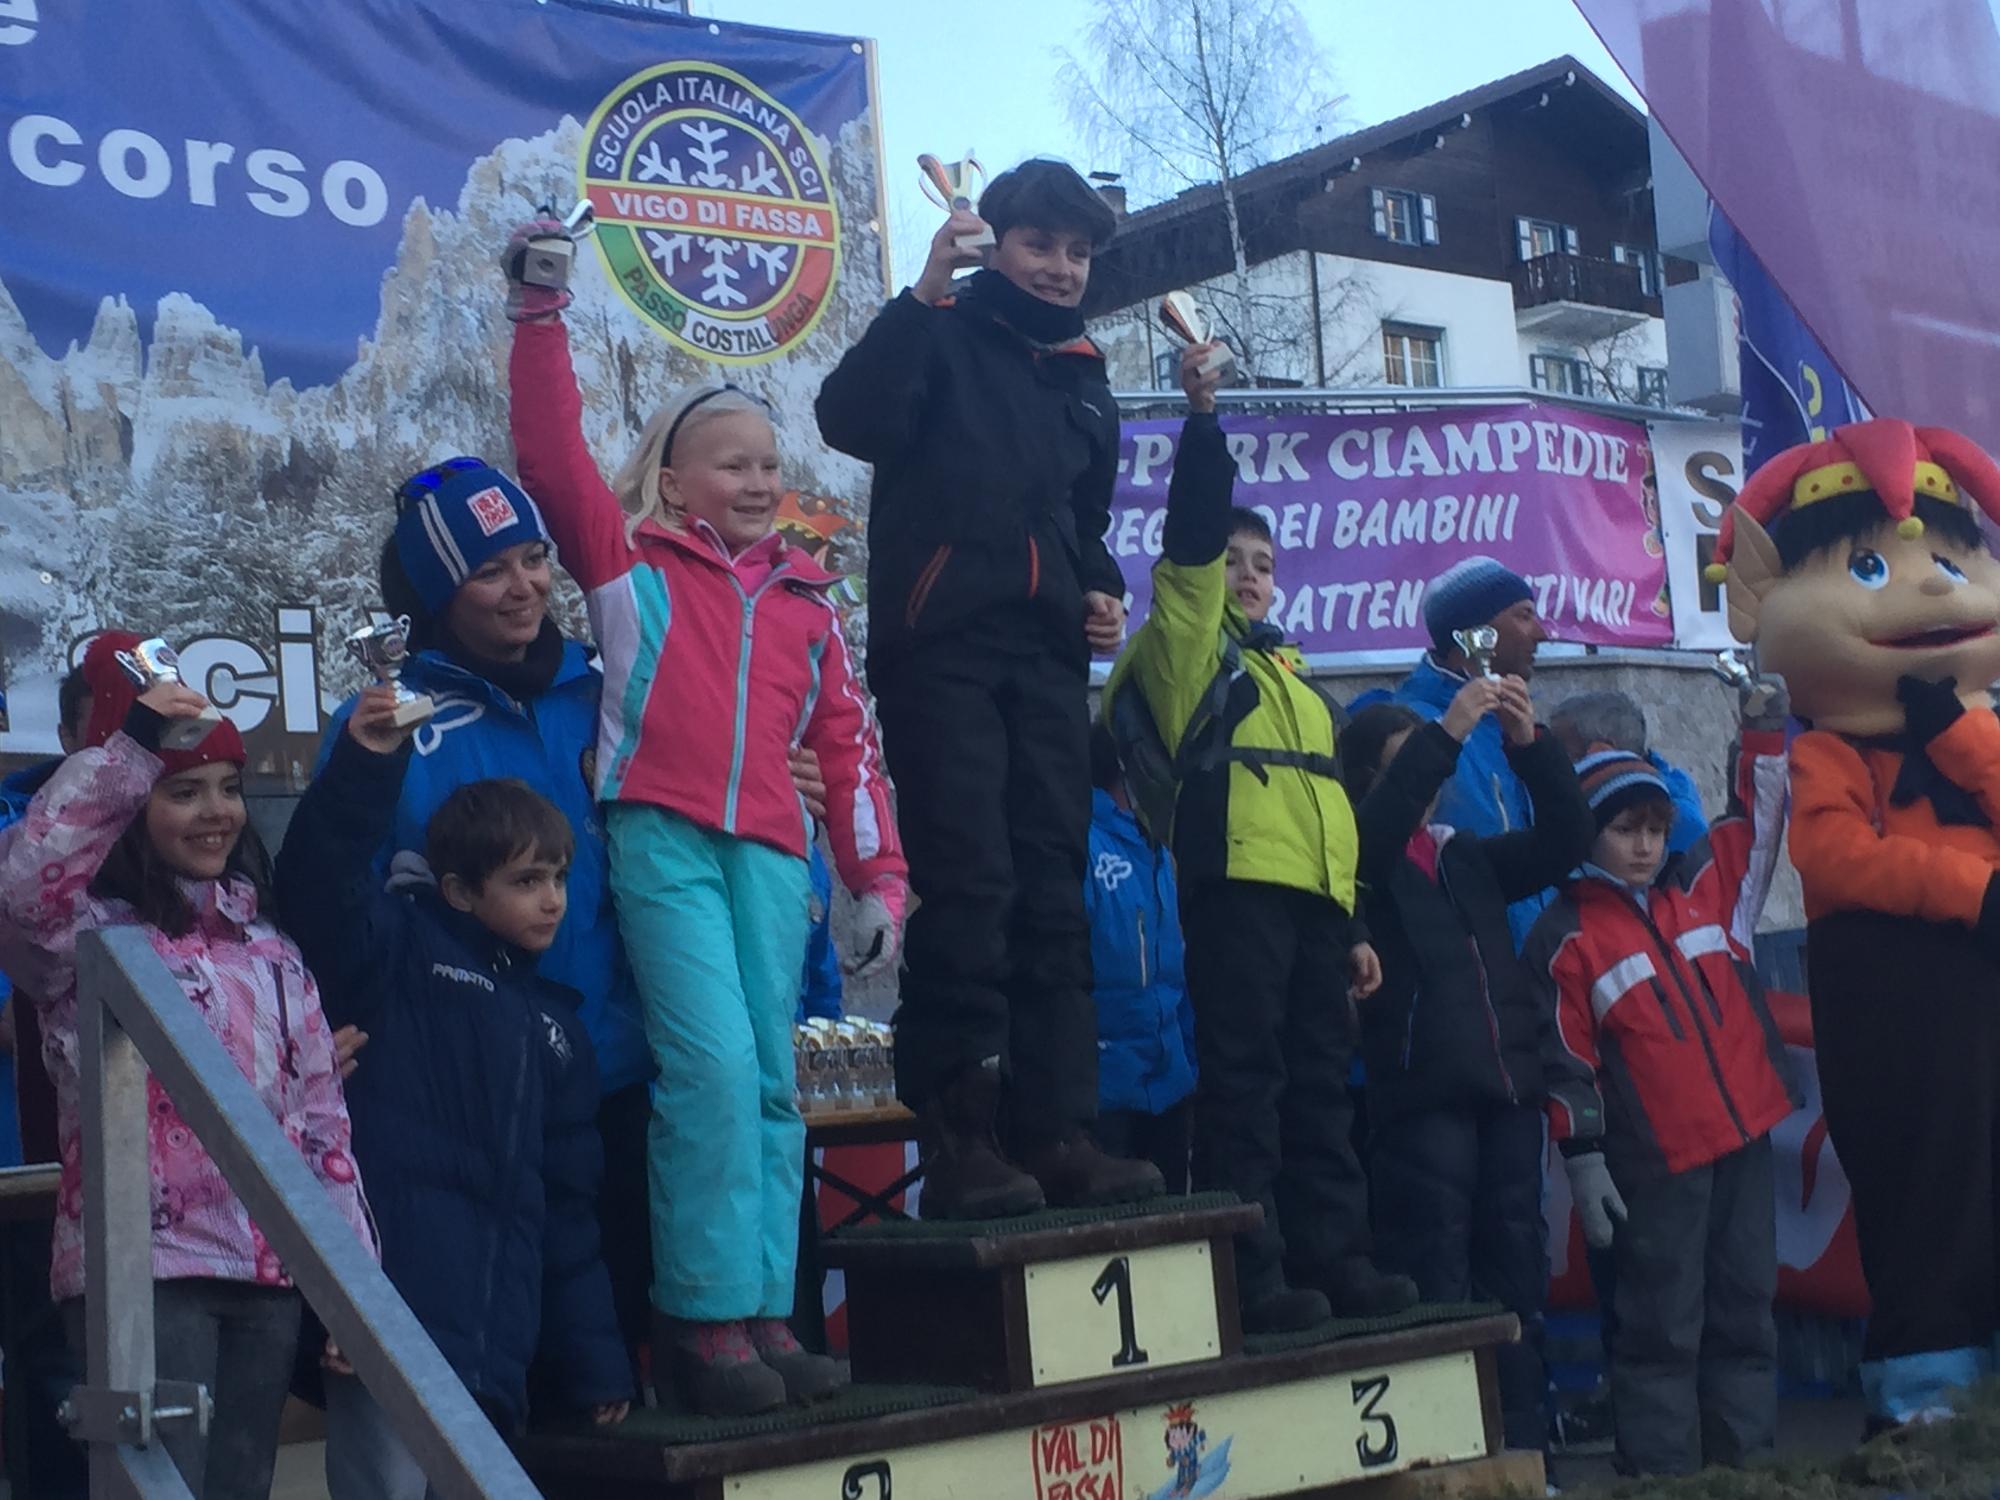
990	423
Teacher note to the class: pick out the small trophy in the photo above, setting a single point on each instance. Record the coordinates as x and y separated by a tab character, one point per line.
383	649
1184	318
1732	669
954	185
153	662
547	259
1479	643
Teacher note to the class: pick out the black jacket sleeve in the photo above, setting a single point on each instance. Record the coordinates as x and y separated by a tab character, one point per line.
869	407
329	894
580	1343
1090	499
1395	804
1535	858
1200	493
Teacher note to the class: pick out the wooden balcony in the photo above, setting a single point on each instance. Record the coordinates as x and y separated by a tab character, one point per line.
1579	298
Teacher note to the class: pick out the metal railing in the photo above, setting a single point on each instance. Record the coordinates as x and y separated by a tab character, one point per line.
1365	400
134	1017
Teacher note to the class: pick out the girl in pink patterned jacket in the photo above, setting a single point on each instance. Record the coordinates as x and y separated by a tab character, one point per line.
127	833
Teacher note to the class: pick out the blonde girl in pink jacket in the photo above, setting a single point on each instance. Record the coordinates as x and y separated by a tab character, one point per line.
721	653
126	833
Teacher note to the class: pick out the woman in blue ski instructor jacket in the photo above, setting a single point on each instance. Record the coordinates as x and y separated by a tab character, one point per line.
1145	1023
470	563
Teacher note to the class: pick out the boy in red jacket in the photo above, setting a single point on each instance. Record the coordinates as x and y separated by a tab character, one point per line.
1665	1077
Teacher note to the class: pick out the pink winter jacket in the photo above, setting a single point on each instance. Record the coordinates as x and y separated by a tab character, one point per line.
714	668
243	975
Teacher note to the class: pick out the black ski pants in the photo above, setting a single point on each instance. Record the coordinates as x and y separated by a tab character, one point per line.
1457	1204
988	744
1267	972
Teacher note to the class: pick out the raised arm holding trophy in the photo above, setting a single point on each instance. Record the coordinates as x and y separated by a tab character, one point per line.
954	187
382	649
153	662
1187	321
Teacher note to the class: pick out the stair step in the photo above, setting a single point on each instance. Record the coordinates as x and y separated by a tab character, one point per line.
1052	1234
1066	1294
1281	1423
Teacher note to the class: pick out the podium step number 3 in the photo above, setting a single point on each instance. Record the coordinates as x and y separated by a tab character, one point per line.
1146	1309
1277	1440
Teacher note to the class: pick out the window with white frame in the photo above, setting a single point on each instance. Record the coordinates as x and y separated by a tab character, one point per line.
1402	217
1412	355
1652	270
1652	385
1166	369
1559	374
1534	238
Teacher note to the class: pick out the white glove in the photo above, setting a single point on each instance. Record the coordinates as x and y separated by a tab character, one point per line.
878	932
1597	1201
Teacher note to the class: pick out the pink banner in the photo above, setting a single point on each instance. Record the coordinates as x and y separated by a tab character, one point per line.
1852	144
1366	509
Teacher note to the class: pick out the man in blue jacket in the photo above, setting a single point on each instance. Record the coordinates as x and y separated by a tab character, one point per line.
475	1116
1145	1022
1483	796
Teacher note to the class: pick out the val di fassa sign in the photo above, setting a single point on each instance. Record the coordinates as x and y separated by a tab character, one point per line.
1364	510
248	283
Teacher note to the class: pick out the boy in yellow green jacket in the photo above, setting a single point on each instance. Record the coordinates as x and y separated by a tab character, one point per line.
1264	839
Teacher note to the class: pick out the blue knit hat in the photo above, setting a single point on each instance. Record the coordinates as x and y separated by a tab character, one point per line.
454	516
1470	593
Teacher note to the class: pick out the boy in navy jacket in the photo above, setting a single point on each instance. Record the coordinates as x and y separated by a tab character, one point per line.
475	1108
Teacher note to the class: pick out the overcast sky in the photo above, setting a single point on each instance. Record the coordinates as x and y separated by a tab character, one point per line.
1387	59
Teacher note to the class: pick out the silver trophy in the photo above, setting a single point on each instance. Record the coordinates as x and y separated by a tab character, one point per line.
954	185
547	259
1732	669
153	662
1479	644
1185	319
383	649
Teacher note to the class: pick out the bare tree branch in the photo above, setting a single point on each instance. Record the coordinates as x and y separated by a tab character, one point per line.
1191	93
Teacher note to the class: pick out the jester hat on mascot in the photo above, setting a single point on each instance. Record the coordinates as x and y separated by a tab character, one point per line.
1857	560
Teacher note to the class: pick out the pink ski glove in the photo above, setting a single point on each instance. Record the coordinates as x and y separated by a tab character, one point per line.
878	928
526	301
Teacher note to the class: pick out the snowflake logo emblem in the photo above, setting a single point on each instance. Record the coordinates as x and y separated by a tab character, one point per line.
715	217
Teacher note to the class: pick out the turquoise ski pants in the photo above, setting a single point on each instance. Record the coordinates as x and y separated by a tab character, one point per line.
716	929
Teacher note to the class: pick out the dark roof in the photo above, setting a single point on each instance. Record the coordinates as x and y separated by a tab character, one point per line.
1321	159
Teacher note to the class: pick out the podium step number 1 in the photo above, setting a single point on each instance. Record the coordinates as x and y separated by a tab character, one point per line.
1098	1315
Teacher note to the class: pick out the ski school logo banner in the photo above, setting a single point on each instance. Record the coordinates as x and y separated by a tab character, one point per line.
1364	510
675	209
249	281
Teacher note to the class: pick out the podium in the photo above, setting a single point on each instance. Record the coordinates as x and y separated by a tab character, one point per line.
1082	1355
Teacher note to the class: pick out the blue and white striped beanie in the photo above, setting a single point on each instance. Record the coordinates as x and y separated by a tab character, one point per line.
1470	593
454	516
1614	780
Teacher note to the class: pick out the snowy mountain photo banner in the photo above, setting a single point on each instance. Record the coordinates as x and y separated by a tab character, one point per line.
248	282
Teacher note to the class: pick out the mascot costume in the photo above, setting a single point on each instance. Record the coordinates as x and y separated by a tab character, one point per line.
1857	568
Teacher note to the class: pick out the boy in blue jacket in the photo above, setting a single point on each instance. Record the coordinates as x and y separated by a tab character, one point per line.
1145	1022
475	1111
